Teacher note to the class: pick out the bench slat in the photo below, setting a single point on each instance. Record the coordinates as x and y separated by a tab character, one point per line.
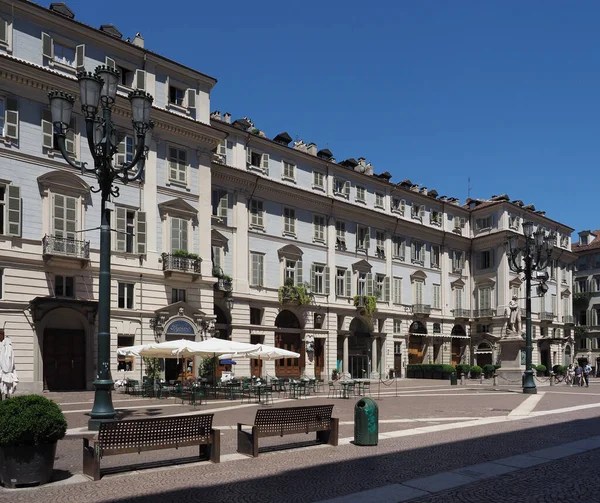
288	420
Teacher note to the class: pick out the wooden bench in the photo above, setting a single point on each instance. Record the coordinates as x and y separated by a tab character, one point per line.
138	435
288	421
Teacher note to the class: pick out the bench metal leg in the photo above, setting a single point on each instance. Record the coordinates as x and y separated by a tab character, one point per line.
215	446
91	463
247	442
330	436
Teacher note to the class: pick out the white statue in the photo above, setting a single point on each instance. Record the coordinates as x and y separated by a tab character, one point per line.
8	373
514	316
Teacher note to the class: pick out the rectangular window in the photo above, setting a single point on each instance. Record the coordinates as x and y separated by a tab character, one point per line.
125	151
177	295
380	244
125	295
458	261
360	194
125	363
340	282
417	211
179	234
582	285
257	261
553	304
458	299
485	298
2	209
362	237
416	250
64	221
289	221
563	272
2	116
514	222
318	180
397	330
340	235
220	204
256	316
176	96
399	248
257	213
435	256
436	301
483	223
1	283
319	228
361	284
341	187
380	287
64	286
126	223
257	161
64	55
418	291
177	165
486	259
398	206
379	200
290	271
289	171
397	291
435	218
318	279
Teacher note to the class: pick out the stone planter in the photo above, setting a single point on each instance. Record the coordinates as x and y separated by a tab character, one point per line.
26	465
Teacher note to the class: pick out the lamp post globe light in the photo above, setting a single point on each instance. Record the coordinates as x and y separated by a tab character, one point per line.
534	255
98	93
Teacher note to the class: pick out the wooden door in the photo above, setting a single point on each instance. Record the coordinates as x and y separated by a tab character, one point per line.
456	352
319	357
64	359
255	363
415	352
290	367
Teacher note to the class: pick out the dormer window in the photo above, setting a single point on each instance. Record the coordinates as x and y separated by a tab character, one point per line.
514	222
379	200
435	218
176	96
360	194
398	206
257	161
584	239
417	212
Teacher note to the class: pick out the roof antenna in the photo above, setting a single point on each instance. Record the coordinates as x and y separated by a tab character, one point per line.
469	187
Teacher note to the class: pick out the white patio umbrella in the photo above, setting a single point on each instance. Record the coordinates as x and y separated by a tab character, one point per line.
214	347
263	352
167	349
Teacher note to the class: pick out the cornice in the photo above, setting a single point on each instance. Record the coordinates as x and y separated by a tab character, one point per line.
167	191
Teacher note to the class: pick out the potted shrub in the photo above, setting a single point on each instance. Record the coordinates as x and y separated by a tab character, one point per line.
335	374
462	368
541	370
476	371
30	427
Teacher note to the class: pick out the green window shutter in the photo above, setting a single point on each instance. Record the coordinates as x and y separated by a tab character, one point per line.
47	46
370	288
80	57
121	228
141	232
47	130
190	97
298	272
386	289
348	283
11	119
327	280
367	238
14	210
140	80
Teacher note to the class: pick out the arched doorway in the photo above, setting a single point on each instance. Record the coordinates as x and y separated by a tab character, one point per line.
458	345
180	369
416	342
359	349
289	338
483	354
64	351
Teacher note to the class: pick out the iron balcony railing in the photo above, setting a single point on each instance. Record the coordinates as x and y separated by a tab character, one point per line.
484	313
462	313
421	308
65	247
181	263
569	319
546	316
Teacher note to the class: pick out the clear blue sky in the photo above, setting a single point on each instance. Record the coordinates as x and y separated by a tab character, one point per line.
504	92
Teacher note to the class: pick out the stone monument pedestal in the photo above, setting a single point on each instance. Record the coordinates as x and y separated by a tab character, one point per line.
511	370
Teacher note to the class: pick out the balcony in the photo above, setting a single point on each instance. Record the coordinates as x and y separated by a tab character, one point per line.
462	313
421	309
546	316
484	313
568	320
64	251
181	264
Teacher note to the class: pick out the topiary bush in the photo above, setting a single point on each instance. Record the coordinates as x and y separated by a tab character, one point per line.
30	420
541	369
488	370
463	368
476	371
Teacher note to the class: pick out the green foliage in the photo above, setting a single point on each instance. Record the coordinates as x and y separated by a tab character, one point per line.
369	304
559	370
581	332
152	368
476	371
295	294
429	367
488	370
335	374
185	254
30	420
463	368
208	366
541	368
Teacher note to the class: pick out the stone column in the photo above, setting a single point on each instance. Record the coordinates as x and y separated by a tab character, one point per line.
345	369
374	359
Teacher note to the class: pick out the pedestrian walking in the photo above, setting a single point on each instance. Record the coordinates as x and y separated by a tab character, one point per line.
586	374
570	375
578	372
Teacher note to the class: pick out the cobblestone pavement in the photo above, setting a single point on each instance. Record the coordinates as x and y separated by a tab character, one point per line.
570	479
318	473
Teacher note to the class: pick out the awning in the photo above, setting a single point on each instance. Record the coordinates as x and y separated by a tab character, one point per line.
227	362
483	352
446	336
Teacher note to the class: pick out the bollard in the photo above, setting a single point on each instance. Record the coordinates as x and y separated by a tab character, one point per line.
551	378
481	378
495	379
462	379
453	379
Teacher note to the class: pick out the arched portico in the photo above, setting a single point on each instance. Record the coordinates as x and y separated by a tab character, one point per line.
459	343
360	350
416	342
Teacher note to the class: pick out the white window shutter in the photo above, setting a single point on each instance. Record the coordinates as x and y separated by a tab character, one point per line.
299	272
248	156
347	188
70	137
313	283
184	234
456	222
265	163
190	97
47	130
121	152
140	80
327	280
11	119
370	288
223	204
3	31
121	225
47	46
80	57
386	289
348	283
14	210
422	211
110	63
141	232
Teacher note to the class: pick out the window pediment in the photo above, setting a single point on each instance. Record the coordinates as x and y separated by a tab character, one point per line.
361	266
291	252
515	282
177	207
418	275
565	293
63	182
486	283
218	239
459	283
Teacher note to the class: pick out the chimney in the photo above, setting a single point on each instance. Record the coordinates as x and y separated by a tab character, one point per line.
61	8
138	40
423	191
227	117
369	169
312	148
216	115
300	145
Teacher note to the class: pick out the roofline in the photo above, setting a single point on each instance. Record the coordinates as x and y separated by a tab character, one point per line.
43	11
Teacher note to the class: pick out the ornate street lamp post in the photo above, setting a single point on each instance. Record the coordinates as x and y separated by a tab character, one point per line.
98	93
533	256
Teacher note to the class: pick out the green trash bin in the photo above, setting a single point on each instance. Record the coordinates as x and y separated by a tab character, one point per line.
453	379
366	422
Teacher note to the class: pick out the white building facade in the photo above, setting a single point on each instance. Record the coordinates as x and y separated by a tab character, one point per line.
377	274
